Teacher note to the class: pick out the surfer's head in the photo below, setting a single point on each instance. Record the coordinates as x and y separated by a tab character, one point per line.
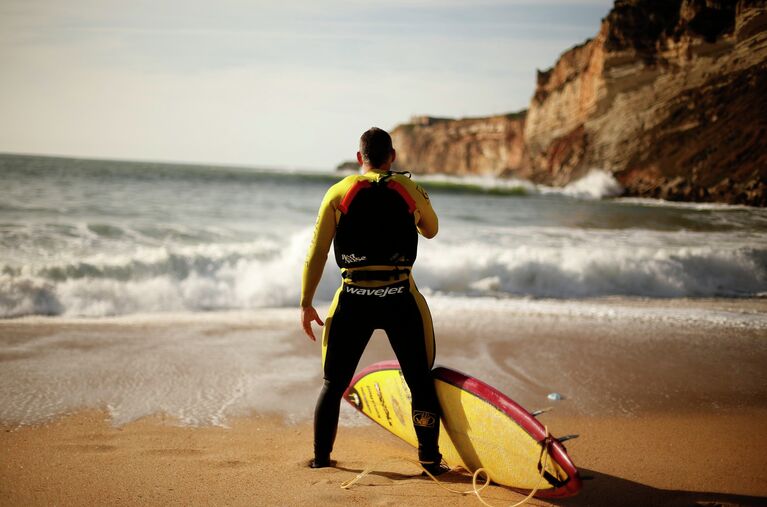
376	149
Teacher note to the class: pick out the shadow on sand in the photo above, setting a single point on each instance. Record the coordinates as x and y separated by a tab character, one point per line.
607	490
604	490
450	478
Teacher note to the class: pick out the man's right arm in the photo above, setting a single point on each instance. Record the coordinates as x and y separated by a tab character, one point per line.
324	230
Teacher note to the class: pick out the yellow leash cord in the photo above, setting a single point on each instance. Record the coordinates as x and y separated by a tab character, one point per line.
399	459
543	461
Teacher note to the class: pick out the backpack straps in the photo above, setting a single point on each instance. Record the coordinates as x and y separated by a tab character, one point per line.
351	193
397	187
402	191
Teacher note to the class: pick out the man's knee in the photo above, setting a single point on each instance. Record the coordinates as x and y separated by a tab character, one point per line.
419	380
334	387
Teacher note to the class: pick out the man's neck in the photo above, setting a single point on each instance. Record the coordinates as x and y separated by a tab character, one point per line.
366	168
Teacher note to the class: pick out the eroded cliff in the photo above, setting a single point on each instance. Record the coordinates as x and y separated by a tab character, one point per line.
493	145
669	97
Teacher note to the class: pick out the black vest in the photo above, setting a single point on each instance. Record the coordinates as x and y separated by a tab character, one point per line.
376	227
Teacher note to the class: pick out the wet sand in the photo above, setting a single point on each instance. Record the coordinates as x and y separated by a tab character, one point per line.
669	413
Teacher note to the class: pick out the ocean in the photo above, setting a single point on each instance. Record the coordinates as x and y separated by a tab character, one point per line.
102	238
142	288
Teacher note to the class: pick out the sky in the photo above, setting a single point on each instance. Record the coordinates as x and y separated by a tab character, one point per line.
281	84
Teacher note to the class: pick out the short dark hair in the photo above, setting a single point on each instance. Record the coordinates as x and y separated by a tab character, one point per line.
375	146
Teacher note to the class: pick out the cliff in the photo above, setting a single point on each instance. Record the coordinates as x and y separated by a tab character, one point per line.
493	145
668	96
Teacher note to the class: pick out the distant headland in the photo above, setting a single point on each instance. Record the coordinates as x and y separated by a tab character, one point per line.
668	97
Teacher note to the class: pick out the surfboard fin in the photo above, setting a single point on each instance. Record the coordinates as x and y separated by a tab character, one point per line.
536	413
567	437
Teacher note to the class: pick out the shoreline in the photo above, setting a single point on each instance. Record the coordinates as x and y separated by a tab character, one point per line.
615	357
525	306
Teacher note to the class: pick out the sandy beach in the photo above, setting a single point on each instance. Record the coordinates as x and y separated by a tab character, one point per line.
664	460
669	412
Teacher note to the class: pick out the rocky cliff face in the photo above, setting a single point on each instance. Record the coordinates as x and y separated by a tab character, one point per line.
492	145
669	97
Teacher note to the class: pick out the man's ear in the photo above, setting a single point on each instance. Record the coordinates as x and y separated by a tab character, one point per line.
393	155
359	158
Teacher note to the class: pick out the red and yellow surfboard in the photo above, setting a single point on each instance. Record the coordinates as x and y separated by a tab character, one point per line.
480	428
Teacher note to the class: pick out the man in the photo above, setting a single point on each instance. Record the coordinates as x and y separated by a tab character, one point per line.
373	219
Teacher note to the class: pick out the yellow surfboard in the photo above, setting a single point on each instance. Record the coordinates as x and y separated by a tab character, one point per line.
480	428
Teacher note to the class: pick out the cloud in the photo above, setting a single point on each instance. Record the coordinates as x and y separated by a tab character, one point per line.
262	82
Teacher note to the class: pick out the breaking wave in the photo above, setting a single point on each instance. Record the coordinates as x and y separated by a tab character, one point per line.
597	184
267	274
586	271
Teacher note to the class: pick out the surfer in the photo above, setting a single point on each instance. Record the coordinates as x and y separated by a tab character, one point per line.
373	219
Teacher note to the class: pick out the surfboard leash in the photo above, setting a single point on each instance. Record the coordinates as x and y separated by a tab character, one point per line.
399	459
543	461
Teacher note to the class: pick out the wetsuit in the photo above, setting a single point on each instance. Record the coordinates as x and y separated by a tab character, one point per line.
376	293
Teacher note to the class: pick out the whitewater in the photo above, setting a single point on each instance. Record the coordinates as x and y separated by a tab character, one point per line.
89	238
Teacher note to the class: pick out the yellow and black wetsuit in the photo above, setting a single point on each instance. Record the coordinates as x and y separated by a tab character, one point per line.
374	219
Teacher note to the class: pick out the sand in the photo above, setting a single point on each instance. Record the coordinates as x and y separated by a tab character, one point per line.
665	460
668	415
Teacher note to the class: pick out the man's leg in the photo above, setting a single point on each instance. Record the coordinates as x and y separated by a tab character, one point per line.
348	336
406	335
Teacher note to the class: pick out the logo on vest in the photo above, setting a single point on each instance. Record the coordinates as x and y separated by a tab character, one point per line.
382	292
352	258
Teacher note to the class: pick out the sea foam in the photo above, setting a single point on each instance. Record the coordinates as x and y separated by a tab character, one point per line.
596	184
267	274
574	271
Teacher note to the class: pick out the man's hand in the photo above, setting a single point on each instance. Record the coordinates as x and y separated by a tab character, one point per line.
309	315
